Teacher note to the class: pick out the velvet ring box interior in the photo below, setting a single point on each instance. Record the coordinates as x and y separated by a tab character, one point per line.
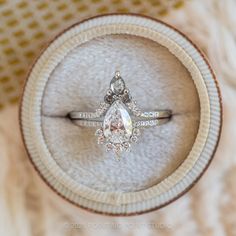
163	70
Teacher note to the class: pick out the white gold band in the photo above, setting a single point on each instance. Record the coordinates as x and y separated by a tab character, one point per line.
138	123
161	114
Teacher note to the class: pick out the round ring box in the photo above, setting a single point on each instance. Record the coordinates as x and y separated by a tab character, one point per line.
164	70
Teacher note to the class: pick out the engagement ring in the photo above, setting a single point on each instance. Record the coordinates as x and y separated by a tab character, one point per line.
118	118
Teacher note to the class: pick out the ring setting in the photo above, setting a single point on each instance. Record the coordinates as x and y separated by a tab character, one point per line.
119	118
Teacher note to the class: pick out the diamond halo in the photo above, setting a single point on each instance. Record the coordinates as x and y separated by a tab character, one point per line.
118	130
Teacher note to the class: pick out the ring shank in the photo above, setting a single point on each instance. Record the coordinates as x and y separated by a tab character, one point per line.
139	123
160	114
145	119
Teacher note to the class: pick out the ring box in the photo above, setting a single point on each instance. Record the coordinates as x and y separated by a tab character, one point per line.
164	70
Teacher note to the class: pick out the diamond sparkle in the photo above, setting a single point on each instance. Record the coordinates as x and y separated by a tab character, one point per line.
117	124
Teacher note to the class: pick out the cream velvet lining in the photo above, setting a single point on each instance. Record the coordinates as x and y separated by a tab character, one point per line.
31	116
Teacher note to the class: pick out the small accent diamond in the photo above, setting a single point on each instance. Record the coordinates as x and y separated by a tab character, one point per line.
134	139
99	132
136	132
101	140
117	85
109	147
126	146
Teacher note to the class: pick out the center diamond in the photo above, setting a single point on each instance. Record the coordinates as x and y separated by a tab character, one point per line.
117	124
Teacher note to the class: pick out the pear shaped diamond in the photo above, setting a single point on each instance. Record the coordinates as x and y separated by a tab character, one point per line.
117	124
